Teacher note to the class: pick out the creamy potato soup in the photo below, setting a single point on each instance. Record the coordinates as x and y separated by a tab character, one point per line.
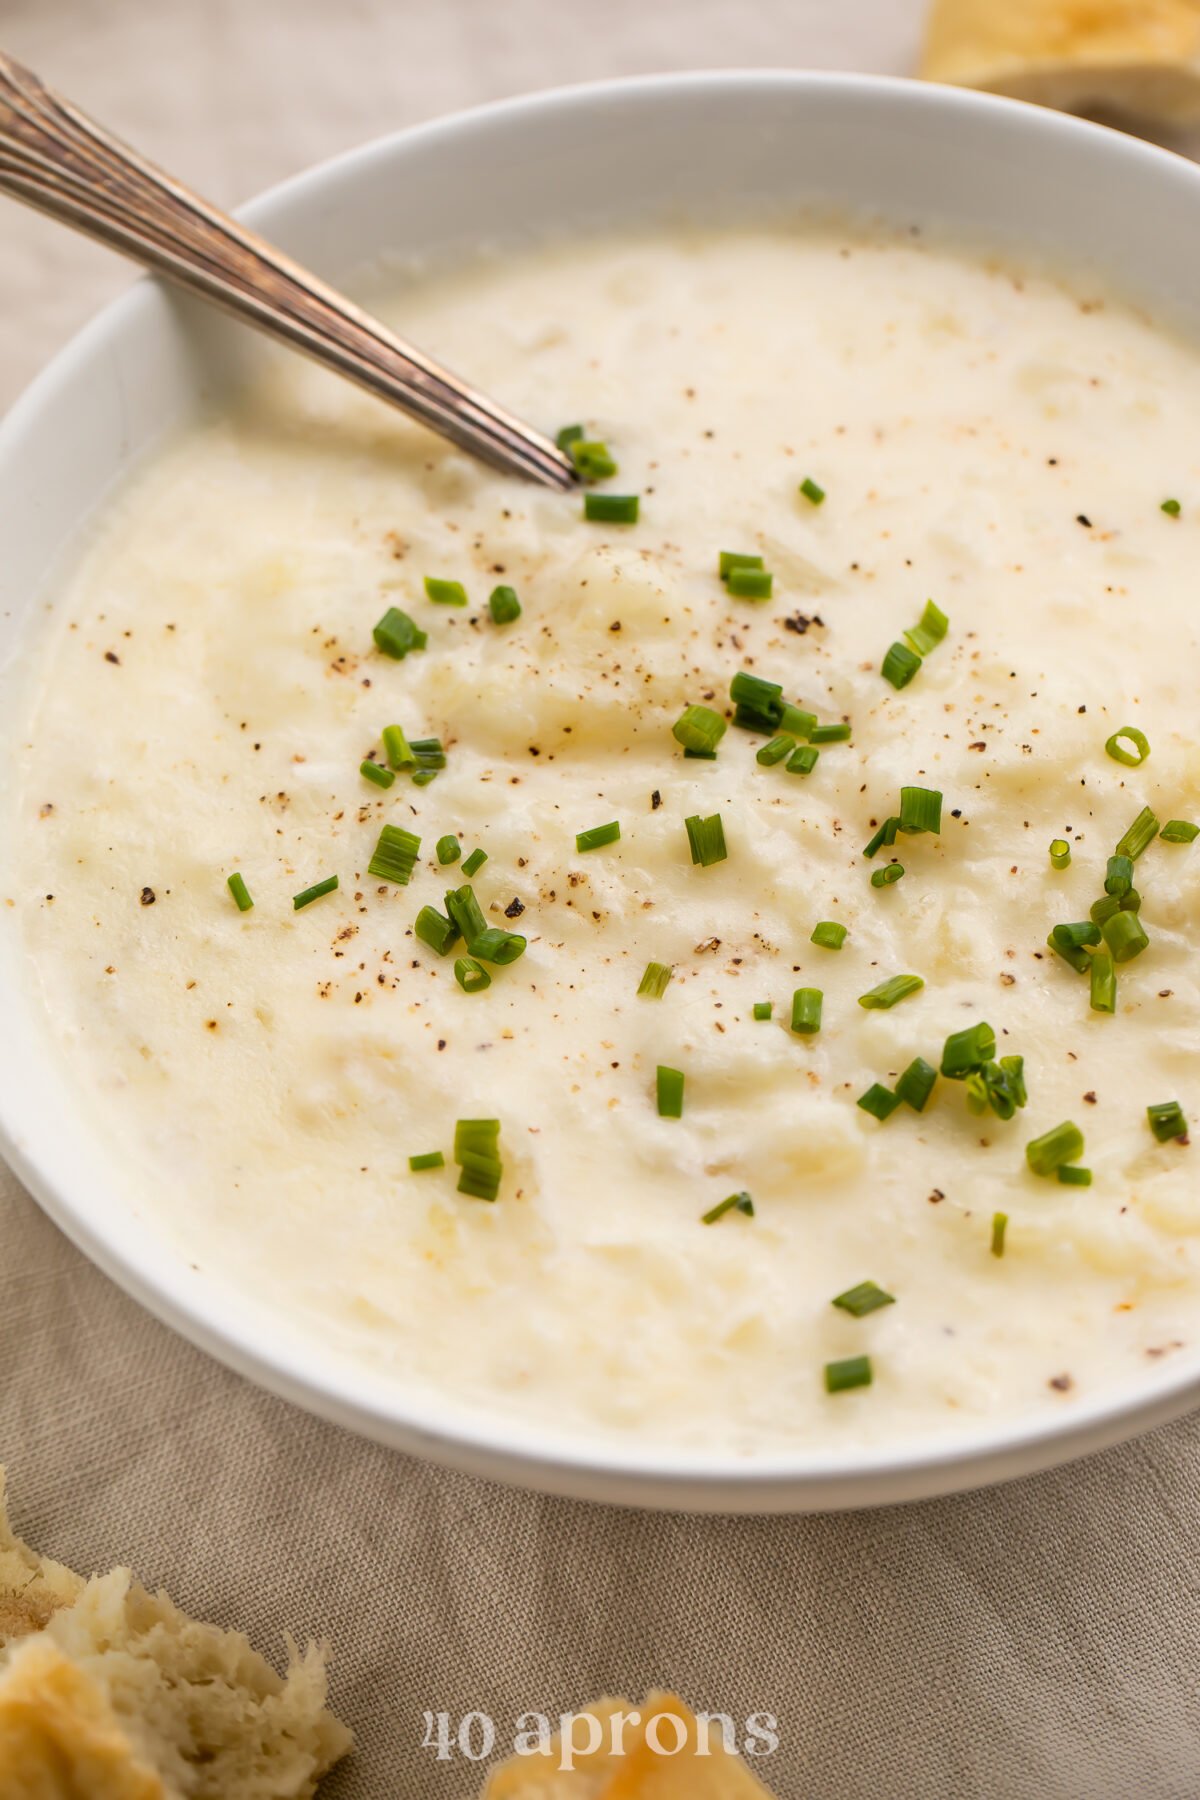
736	1100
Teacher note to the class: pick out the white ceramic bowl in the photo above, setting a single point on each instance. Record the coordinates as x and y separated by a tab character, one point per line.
705	146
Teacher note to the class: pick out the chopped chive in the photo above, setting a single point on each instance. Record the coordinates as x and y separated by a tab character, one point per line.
887	876
879	1101
699	728
999	1227
1084	932
395	855
445	593
1103	983
373	772
1047	1154
1060	853
866	1298
829	934
397	749
396	634
1072	1175
423	777
496	946
1108	904
1079	960
706	839
806	1011
889	992
1166	1121
593	460
429	753
850	1372
1119	878
811	491
998	1085
920	810
1179	831
504	605
464	909
240	892
830	734
1116	746
900	665
429	1159
701	755
448	850
916	1084
797	721
967	1050
655	980
598	836
929	631
884	838
803	760
755	696
763	1009
1124	935
611	509
440	933
1139	836
1172	507
775	751
306	898
734	1203
669	1092
750	584
470	975
1014	1074
729	560
570	434
477	1153
474	862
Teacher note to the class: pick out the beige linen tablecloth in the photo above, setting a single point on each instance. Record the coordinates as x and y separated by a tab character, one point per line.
1039	1640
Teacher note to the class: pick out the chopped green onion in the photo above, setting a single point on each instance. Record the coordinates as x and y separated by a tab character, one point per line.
1071	1175
441	934
1119	878
750	584
669	1091
598	836
803	759
796	721
885	837
1060	852
1076	935
1104	983
965	1051
998	1085
1108	904
504	605
1171	507
429	1159
806	1011
866	1298
850	1372
886	876
397	749
706	839
592	458
900	665
423	777
929	631
763	1009
477	1153
570	434
999	1227
429	753
465	910
916	1084
729	560
611	509
811	491
735	1203
701	755
496	946
920	810
758	703
445	593
396	634
879	1101
1139	836
1047	1154
830	734
887	993
1014	1073
1128	734
1124	936
373	772
1079	960
474	862
1166	1121
470	975
655	980
448	850
328	886
240	892
699	728
775	751
395	855
1179	831
829	934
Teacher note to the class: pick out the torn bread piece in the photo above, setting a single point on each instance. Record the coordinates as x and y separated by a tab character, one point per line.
1139	58
616	1751
108	1692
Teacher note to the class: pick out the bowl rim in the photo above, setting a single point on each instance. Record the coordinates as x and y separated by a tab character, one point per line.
508	1447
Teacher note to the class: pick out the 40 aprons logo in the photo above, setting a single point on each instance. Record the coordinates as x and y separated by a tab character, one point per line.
571	1736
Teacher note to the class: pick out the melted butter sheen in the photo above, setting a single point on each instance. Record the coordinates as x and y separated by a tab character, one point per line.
268	1075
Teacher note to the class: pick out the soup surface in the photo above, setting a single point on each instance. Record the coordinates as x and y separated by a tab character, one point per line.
989	439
